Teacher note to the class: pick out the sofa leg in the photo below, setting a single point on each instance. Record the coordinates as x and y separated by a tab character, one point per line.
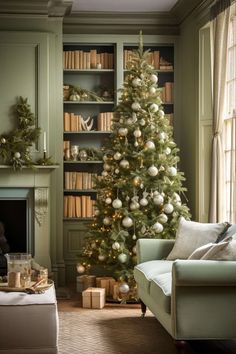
181	346
143	308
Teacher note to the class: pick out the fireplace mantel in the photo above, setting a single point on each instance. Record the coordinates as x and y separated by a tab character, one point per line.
39	179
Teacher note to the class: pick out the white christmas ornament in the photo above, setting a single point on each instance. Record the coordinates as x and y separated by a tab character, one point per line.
172	171
116	246
162	135
97	212
108	200
101	257
137	133
134	206
106	221
124	164
162	218
167	151
117	156
130	121
157	227
142	122
158	199
176	197
168	208
161	113
106	167
3	141
122	257
104	173
154	78
80	268
136	82
150	145
152	90
134	237
124	288
117	203
17	155
135	106
123	131
134	117
143	201
152	171
154	107
117	171
127	222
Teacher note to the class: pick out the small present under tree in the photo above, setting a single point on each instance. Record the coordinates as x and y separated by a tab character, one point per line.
15	146
140	190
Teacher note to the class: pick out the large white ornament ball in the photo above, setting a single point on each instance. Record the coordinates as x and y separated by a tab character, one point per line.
152	171
158	199
143	202
116	246
152	90
123	131
127	222
154	107
136	82
168	208
157	227
108	200
135	106
122	257
106	221
101	257
124	164
80	268
17	155
154	78
117	156
137	133
134	205
162	218
150	145
172	171
124	288
117	203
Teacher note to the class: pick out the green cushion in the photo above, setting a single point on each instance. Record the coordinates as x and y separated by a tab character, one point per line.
144	272
160	290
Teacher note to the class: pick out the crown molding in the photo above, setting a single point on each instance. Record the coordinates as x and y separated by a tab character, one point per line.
120	23
53	8
184	8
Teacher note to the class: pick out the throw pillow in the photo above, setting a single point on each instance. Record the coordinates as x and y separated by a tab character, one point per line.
191	234
223	251
200	251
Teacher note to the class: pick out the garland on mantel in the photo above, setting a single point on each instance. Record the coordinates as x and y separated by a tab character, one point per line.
15	146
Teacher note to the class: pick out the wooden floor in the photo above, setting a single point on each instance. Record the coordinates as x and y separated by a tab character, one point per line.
69	301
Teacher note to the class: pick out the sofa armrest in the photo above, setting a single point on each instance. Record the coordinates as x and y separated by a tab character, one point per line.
152	249
203	273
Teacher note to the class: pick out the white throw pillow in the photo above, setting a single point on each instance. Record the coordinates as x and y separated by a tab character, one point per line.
191	235
226	251
200	251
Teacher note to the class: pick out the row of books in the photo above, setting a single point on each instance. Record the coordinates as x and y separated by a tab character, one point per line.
78	206
79	180
79	59
75	122
154	58
167	92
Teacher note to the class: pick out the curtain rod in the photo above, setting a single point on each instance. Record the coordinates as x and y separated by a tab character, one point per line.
219	7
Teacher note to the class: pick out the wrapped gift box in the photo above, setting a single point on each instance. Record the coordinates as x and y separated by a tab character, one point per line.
93	298
85	281
107	283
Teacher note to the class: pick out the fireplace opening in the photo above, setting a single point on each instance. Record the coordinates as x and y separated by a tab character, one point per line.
16	213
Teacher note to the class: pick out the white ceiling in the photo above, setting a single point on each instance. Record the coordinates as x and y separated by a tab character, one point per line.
123	5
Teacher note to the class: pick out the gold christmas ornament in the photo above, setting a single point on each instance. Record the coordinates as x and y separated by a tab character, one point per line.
124	164
137	181
123	131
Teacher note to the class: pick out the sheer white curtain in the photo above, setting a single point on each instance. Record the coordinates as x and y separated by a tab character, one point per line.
220	29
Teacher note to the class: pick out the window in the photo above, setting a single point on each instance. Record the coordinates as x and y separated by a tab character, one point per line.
229	130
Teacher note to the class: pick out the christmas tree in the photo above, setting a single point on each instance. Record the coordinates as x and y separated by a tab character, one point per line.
140	190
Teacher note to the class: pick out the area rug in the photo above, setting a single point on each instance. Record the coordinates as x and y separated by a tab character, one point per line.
112	330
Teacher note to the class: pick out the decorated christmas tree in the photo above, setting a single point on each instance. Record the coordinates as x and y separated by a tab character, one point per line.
140	191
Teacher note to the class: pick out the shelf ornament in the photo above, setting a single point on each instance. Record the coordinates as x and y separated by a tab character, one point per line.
76	93
15	146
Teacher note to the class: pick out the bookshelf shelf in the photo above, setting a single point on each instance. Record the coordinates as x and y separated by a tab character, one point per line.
89	132
83	162
80	190
88	71
90	102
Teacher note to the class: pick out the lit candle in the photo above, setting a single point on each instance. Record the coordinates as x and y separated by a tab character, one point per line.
44	142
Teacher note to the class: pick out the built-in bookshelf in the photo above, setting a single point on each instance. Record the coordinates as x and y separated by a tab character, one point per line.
88	109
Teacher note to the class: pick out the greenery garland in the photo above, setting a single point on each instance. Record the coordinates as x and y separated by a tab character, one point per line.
15	146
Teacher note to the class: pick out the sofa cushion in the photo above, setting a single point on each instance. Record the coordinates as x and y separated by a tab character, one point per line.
191	234
160	290
145	272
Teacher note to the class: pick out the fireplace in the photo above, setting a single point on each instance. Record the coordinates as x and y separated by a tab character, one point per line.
17	215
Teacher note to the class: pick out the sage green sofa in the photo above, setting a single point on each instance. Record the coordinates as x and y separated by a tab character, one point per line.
192	299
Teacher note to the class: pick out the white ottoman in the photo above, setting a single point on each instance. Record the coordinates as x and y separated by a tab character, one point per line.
29	323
